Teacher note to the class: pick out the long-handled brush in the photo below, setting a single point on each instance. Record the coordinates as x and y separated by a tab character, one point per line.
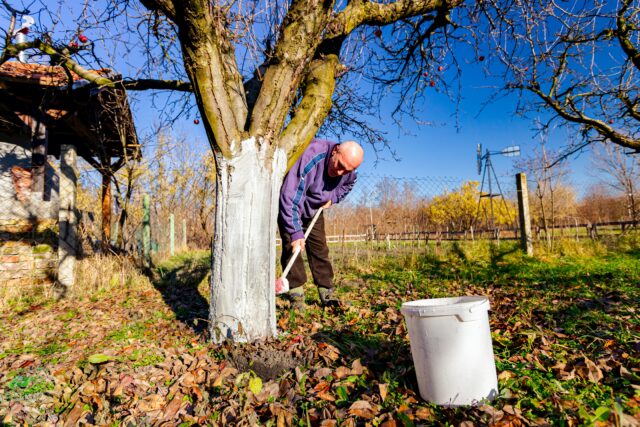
282	284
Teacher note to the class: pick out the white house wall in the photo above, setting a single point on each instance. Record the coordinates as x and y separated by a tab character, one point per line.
16	151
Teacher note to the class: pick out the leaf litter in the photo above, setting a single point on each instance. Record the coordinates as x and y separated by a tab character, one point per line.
560	356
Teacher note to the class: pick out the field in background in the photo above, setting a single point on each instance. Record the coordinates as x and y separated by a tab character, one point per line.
128	347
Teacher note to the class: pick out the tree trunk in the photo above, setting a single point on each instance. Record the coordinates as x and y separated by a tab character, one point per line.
244	255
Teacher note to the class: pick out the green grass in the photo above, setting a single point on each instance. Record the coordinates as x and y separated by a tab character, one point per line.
22	385
132	331
140	359
547	312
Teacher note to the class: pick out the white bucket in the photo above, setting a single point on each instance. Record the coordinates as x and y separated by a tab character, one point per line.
452	350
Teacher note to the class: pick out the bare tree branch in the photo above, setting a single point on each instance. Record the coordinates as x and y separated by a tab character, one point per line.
365	12
146	84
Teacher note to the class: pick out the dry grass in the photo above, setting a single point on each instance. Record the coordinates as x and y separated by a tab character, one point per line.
107	274
96	276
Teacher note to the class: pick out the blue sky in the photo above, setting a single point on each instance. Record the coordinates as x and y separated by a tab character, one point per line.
444	149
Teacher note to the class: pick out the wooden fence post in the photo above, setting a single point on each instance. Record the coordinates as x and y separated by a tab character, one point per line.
67	220
526	242
172	235
184	234
146	231
114	233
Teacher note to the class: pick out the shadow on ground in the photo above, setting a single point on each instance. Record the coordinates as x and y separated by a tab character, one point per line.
178	284
387	359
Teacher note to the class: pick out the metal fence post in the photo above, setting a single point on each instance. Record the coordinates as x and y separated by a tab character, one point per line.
526	242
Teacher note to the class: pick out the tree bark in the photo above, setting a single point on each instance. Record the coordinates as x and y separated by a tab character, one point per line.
106	211
242	306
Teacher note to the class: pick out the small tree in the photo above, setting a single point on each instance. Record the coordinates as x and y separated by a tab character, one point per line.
622	174
459	209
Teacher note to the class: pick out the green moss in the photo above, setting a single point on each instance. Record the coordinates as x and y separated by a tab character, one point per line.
41	249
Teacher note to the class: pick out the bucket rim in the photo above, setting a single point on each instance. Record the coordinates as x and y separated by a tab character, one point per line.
445	306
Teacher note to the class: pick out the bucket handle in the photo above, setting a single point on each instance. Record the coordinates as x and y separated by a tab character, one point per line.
469	313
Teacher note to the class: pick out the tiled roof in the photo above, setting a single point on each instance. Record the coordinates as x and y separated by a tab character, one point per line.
43	75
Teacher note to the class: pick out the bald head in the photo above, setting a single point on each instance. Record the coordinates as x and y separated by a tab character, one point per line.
345	158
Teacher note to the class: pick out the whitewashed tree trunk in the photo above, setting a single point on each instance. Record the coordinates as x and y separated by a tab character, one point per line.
242	306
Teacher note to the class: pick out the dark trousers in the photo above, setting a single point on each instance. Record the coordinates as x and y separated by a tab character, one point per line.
317	253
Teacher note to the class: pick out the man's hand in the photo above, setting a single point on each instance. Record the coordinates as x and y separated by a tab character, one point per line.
327	205
296	243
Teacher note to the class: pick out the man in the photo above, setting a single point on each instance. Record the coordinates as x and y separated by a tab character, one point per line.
322	176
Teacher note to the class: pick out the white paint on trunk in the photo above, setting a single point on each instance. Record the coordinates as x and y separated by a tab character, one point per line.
243	304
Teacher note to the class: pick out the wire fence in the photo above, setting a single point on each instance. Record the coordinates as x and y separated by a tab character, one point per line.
391	206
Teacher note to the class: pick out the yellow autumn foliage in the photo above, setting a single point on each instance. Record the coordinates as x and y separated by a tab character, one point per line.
457	210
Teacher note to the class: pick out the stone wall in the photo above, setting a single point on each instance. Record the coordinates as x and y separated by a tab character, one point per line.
28	251
29	227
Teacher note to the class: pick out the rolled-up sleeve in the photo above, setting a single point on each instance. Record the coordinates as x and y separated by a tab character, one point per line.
344	188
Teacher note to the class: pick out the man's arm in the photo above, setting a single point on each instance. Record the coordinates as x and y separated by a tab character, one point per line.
344	188
294	190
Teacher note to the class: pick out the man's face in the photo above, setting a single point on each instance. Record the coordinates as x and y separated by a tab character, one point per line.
339	164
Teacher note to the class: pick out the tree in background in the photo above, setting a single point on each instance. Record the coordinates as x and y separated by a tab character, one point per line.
177	175
622	173
599	204
459	210
553	199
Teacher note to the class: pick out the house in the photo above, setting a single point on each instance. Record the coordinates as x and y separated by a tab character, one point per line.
48	117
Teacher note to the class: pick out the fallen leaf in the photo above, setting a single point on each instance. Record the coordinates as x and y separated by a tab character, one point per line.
594	374
172	408
255	385
188	380
342	372
151	403
356	368
74	416
424	413
383	391
362	409
96	359
322	372
505	375
322	386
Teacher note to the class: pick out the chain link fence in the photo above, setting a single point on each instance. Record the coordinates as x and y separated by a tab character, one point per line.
381	207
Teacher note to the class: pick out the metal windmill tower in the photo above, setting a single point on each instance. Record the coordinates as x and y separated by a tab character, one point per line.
490	178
